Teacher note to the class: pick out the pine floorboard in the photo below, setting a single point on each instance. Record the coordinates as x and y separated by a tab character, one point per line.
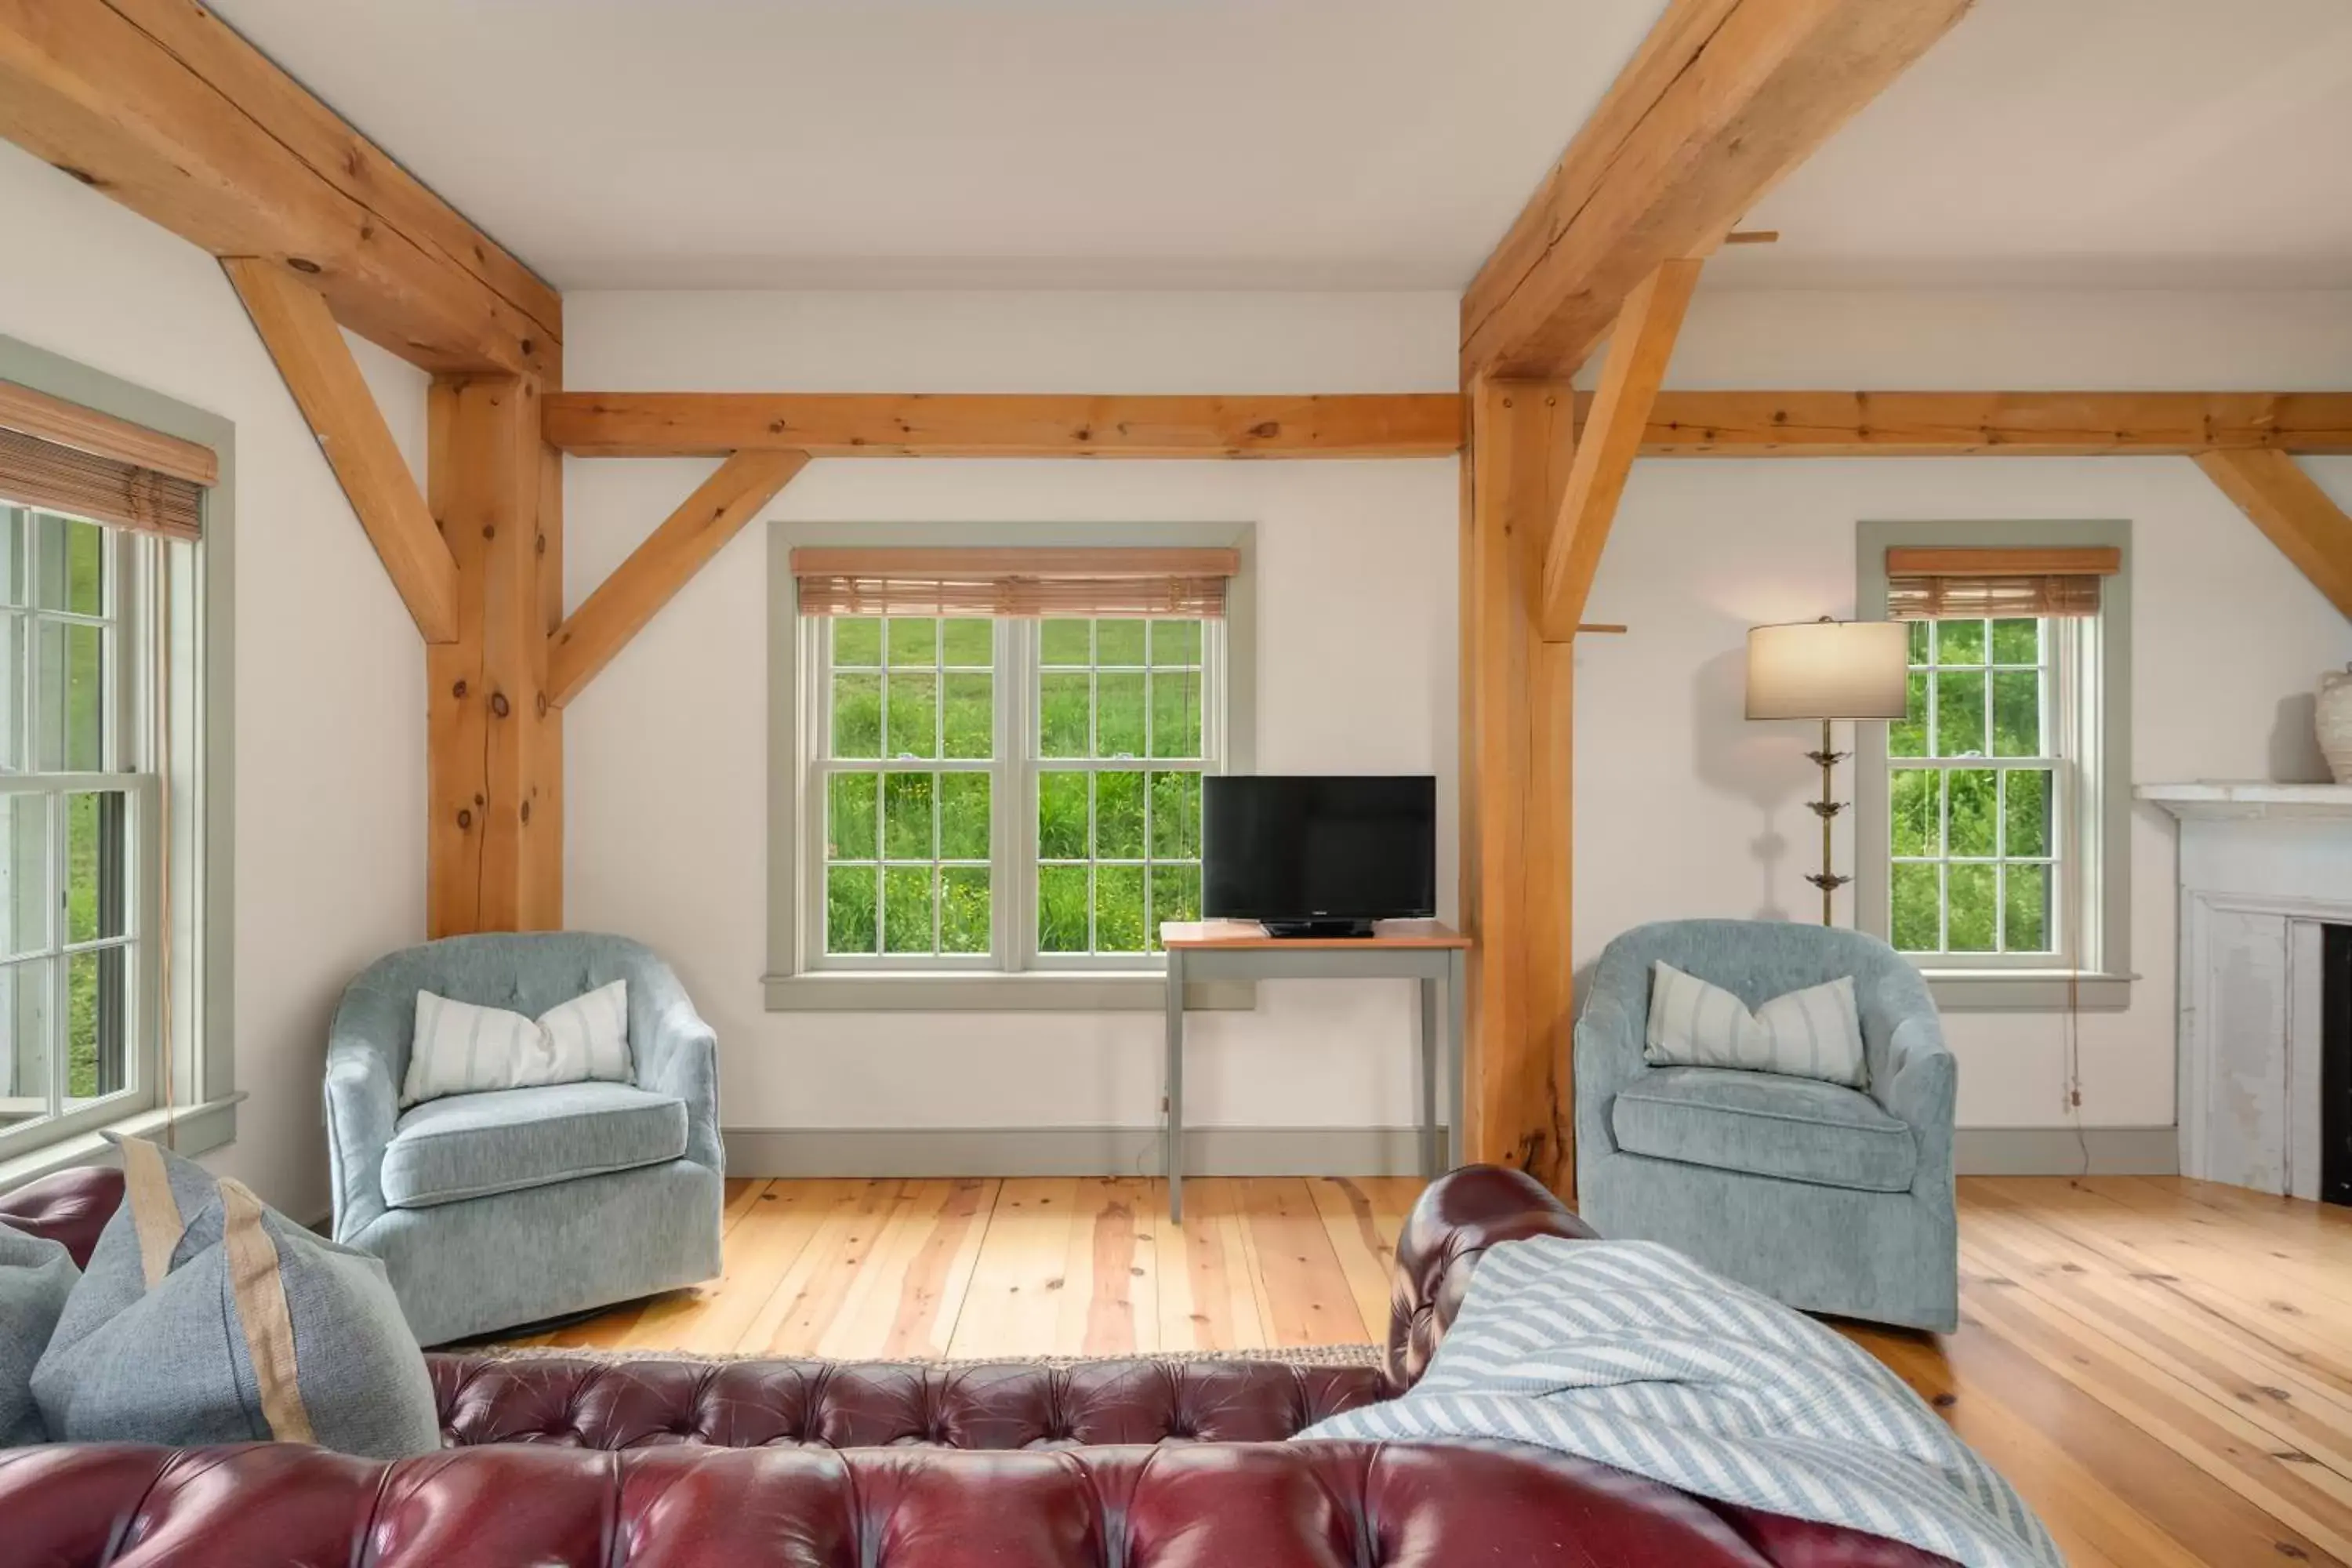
2162	1367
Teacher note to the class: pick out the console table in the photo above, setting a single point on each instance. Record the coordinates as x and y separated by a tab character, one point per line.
1398	950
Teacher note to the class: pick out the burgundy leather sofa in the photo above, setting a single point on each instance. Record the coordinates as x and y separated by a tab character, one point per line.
670	1464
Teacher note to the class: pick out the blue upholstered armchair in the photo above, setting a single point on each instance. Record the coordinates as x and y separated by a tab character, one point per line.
493	1210
1828	1198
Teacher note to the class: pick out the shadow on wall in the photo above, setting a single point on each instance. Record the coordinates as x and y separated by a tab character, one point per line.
1763	765
2295	753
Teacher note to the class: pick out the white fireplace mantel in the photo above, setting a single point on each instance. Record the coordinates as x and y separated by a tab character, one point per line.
2224	800
2264	867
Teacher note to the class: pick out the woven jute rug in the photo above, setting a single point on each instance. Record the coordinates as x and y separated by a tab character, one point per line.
1300	1355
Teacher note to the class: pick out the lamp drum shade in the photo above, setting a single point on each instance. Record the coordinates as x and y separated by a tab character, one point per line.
1828	670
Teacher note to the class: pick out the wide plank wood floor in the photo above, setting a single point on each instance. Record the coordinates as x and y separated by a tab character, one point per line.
2163	1367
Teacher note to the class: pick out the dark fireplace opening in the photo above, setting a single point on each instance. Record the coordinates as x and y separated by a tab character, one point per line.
2335	1066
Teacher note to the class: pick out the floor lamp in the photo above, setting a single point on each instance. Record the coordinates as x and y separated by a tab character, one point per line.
1828	671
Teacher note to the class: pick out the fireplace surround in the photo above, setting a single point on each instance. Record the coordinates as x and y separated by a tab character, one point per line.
2265	982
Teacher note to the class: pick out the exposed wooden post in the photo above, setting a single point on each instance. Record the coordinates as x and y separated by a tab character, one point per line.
2288	506
1639	347
655	571
317	364
1514	809
495	764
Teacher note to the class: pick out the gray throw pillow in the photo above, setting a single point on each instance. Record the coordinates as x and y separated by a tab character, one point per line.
37	1274
243	1326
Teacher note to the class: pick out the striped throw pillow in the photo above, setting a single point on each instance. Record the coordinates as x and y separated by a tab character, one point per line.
1812	1033
460	1049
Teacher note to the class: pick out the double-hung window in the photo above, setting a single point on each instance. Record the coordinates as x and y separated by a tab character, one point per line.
77	879
1990	828
110	985
998	755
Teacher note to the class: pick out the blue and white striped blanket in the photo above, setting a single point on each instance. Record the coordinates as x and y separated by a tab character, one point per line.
1630	1354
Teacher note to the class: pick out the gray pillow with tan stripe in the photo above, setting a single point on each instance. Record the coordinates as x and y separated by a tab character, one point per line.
209	1318
1813	1033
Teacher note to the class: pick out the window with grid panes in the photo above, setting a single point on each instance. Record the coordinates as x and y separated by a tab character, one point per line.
78	886
1977	774
1009	793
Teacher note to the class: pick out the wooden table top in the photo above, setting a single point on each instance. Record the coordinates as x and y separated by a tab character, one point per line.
1249	933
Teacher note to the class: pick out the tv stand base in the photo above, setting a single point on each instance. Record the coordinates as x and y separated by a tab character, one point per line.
1318	929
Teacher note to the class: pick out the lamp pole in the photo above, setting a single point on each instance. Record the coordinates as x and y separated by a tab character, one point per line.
1827	808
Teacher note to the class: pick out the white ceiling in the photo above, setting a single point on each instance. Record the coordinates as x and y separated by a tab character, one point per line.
2187	143
1352	144
1053	143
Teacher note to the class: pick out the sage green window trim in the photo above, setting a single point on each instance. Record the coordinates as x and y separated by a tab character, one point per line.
197	1108
2100	975
794	981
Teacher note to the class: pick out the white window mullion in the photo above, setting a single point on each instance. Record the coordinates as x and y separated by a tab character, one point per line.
1011	847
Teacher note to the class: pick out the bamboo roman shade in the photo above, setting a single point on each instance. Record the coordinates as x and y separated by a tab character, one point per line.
1028	582
1941	585
64	458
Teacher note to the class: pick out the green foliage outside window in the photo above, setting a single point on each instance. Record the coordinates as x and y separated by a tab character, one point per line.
1972	845
909	866
1118	847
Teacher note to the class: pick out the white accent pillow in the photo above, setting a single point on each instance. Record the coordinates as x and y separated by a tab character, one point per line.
460	1049
1812	1033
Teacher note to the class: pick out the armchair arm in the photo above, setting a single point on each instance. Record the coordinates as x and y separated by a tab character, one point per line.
680	1057
362	1107
1921	1080
1608	1058
1460	1215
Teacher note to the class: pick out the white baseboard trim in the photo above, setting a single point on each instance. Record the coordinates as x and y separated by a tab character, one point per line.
2066	1151
1319	1151
1069	1152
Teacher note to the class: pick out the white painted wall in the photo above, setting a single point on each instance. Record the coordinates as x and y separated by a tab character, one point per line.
665	777
666	752
330	681
1684	808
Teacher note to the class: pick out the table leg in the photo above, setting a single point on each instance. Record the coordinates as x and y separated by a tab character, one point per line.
1432	1049
1457	1007
1173	1159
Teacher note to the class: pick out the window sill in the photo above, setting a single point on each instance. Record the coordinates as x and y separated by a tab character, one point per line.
2027	989
199	1128
1065	992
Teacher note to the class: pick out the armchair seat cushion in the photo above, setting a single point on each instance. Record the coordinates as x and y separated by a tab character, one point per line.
472	1145
1793	1128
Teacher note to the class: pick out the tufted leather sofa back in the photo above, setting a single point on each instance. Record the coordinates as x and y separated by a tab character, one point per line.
1312	1505
597	1403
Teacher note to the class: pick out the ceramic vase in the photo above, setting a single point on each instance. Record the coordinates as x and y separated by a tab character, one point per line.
2334	714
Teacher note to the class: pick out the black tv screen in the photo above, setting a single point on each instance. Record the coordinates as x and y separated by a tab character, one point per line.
1323	852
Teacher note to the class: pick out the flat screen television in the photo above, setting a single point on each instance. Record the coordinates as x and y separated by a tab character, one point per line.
1320	855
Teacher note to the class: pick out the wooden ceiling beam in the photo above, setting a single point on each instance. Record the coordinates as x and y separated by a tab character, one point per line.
1002	424
161	106
1726	424
625	602
1610	436
319	370
1723	99
1992	424
2296	515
